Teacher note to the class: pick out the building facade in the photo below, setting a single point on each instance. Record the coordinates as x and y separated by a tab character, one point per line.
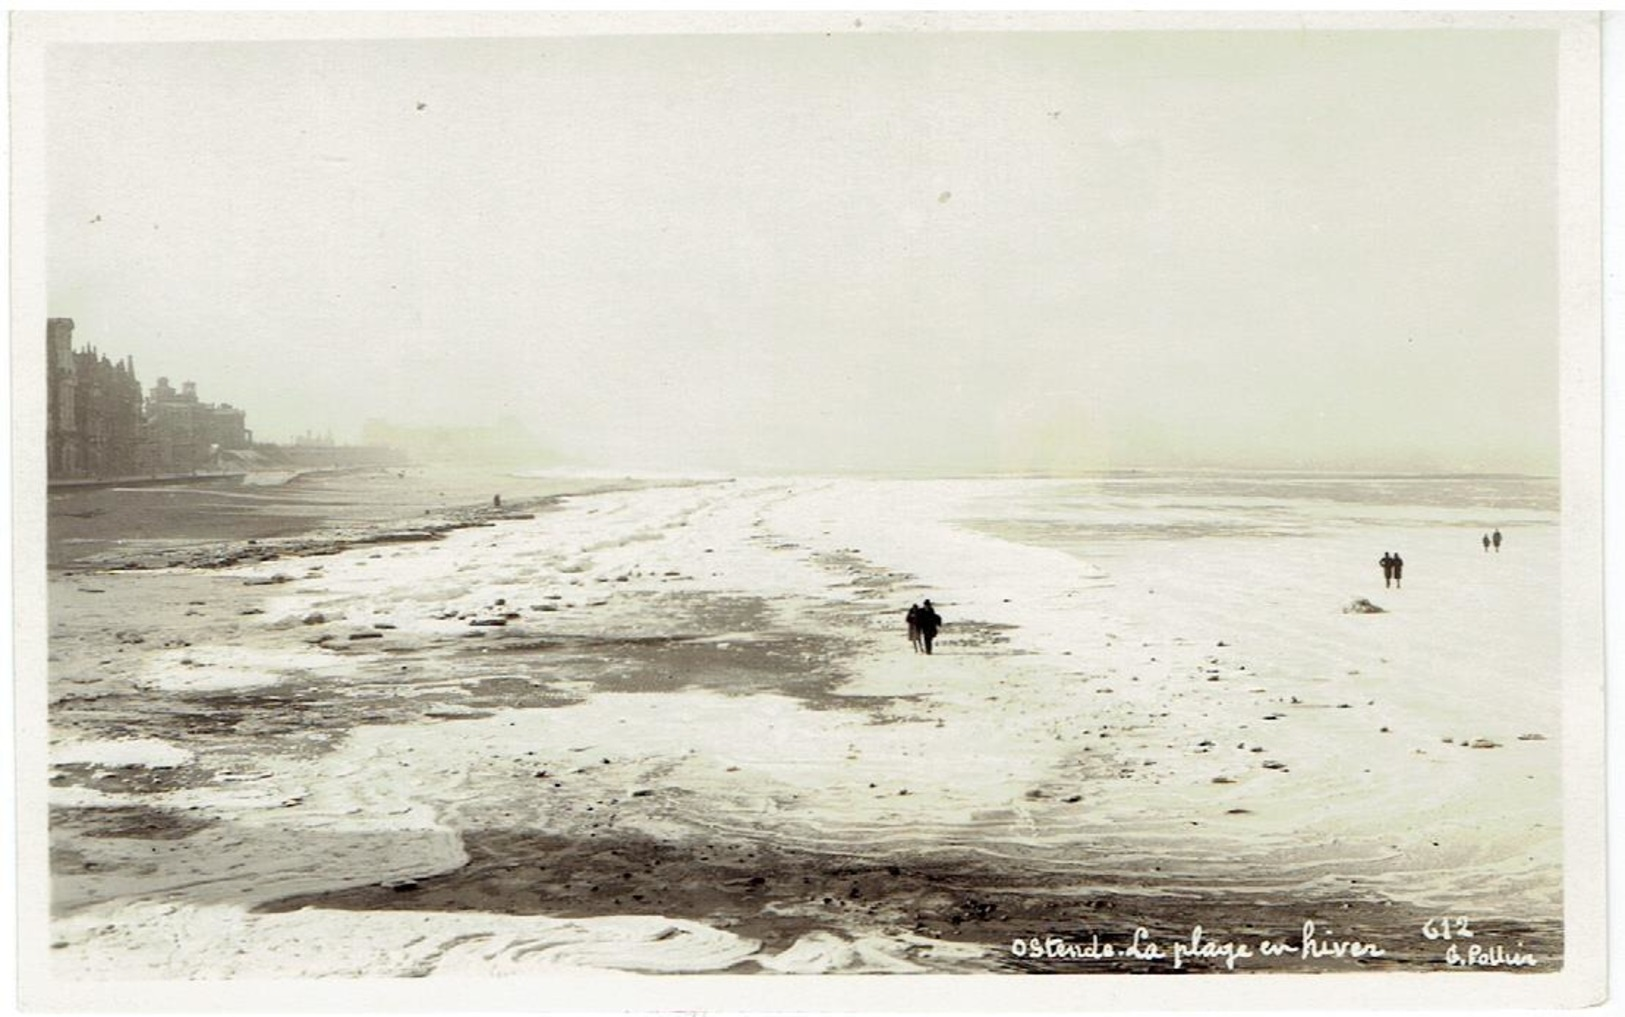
94	426
184	433
99	426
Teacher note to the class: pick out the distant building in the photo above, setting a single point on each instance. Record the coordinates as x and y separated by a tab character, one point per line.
98	426
184	433
93	406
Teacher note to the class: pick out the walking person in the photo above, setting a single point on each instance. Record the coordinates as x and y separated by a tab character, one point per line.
1495	538
1399	570
914	628
929	622
1486	543
1387	563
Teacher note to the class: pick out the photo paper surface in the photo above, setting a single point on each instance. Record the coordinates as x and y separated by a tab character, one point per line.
598	512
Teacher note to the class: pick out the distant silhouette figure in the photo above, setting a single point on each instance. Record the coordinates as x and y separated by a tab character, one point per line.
1486	543
1399	570
914	628
496	501
1387	563
929	621
1495	538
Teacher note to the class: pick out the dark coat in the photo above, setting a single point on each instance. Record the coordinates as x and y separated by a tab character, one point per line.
928	621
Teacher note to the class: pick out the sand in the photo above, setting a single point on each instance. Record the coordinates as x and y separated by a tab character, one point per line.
679	728
149	524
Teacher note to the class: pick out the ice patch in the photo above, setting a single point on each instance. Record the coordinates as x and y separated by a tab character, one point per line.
122	941
226	668
124	752
825	952
73	796
631	943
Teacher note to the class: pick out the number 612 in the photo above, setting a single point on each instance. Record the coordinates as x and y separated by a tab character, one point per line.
1446	928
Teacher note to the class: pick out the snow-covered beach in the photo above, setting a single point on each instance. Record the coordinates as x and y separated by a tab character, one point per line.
679	728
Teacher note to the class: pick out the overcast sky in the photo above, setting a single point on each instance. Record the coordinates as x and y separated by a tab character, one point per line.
955	252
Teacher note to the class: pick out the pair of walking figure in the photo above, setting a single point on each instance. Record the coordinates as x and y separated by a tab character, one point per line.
1393	569
1492	538
923	623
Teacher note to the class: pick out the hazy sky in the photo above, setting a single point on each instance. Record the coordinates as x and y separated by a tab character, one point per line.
945	251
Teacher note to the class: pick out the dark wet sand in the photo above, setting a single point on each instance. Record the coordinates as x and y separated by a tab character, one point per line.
776	895
141	523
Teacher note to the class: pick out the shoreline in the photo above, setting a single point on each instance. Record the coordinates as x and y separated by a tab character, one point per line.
314	511
64	486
